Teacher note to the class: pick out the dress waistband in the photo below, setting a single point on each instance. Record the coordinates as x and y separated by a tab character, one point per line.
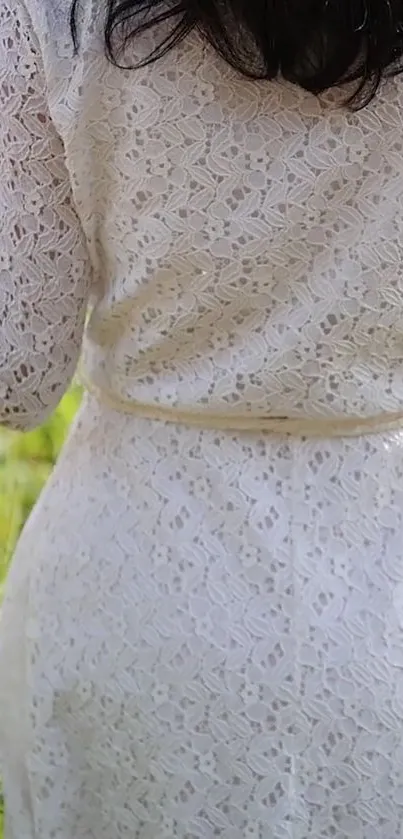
342	426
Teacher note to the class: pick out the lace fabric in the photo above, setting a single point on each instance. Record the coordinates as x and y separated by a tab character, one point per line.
202	631
44	264
209	641
243	237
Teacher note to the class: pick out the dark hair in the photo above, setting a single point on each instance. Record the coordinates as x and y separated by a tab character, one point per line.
316	44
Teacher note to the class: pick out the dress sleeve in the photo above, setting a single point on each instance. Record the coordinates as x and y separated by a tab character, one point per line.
45	271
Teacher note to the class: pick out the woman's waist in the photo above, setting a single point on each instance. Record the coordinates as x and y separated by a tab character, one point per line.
328	415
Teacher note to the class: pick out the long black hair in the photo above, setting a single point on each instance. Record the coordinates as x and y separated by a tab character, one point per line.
314	43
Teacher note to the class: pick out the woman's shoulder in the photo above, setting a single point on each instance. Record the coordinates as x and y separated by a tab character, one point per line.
51	20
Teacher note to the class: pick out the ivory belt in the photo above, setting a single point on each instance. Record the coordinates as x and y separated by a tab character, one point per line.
341	426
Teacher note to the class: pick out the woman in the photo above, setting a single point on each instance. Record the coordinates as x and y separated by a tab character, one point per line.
202	634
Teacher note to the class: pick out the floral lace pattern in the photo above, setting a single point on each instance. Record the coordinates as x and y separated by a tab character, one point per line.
203	631
253	236
44	263
210	643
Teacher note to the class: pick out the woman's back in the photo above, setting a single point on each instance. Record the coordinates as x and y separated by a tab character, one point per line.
246	235
211	615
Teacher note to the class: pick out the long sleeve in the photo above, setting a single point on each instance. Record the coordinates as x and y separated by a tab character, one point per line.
45	270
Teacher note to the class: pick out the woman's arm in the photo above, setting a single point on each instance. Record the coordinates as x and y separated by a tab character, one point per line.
45	272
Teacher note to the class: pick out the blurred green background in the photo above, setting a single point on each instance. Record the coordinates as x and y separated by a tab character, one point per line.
26	461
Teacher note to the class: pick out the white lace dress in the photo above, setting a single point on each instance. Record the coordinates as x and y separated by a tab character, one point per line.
203	631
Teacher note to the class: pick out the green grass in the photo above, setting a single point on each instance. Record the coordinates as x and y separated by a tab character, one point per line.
26	461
